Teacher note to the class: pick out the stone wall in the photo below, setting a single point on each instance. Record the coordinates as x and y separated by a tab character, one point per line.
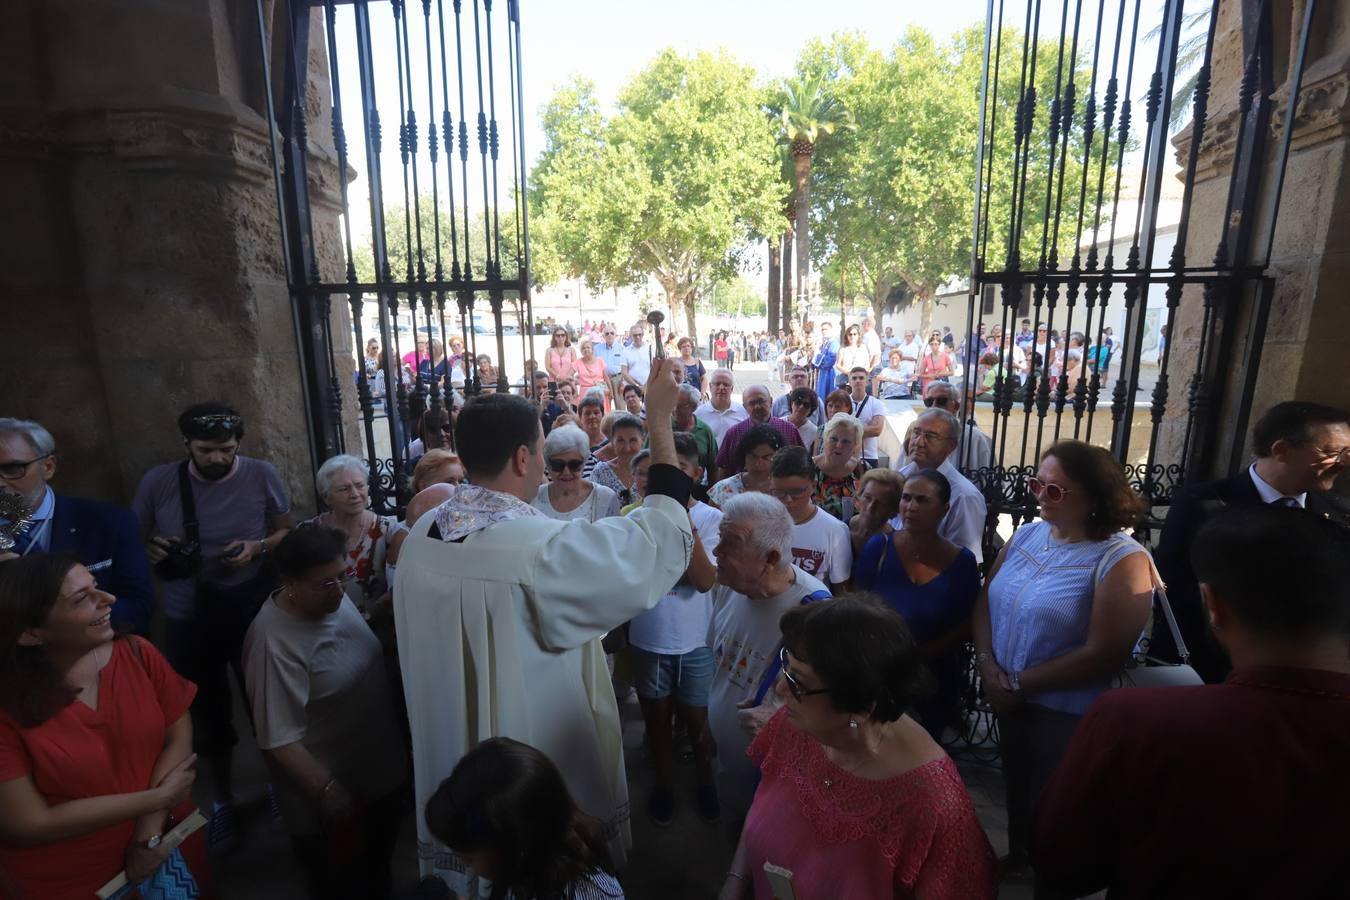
1303	355
144	270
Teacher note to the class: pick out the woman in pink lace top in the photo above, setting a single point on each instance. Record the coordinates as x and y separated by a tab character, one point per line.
855	799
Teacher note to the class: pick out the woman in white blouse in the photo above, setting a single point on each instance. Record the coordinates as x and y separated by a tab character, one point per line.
568	495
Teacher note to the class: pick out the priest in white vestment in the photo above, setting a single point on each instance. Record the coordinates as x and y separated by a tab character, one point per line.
500	610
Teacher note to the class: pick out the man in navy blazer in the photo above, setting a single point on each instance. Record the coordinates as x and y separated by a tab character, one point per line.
1301	449
105	538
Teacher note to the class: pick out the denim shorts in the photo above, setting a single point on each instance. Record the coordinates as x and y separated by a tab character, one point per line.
687	676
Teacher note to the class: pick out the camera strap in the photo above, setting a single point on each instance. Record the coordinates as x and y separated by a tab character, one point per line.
188	503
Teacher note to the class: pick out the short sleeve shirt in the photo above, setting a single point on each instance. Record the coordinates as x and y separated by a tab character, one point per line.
821	547
234	508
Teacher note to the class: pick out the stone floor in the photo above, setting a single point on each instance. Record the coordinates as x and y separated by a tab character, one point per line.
684	861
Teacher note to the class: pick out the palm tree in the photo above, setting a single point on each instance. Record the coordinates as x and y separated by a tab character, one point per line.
1190	53
807	113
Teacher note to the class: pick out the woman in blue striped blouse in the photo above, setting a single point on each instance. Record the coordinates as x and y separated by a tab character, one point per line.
1062	608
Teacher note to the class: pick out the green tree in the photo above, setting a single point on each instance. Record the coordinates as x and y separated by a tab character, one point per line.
809	112
895	197
671	187
401	237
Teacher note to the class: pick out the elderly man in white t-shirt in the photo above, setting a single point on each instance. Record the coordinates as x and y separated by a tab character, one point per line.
637	359
933	440
756	584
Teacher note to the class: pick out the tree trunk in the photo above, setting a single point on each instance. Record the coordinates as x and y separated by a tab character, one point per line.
775	283
690	301
787	275
925	315
801	168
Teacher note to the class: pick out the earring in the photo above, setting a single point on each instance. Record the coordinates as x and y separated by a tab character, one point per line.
853	723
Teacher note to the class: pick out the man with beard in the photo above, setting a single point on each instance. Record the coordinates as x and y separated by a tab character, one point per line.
208	555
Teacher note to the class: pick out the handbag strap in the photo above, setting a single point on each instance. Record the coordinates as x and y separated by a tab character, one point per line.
1159	594
188	503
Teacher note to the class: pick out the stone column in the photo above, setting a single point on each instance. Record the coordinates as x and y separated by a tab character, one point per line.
1303	348
144	269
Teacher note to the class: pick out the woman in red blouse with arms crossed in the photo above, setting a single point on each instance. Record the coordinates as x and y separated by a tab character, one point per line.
95	739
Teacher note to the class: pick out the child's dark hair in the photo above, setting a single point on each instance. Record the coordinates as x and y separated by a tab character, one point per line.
508	797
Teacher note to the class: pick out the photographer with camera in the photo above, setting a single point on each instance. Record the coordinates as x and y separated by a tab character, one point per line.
208	523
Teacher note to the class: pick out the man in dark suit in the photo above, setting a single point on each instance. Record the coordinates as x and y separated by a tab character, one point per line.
1301	448
105	538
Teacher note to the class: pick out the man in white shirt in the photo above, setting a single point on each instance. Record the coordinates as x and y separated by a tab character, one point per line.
868	410
756	584
933	439
976	450
611	351
718	412
489	582
872	341
672	665
820	542
890	341
637	359
910	351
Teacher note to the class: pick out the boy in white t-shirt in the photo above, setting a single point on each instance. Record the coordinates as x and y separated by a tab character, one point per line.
672	664
820	542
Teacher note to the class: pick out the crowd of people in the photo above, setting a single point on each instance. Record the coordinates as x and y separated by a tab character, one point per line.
771	590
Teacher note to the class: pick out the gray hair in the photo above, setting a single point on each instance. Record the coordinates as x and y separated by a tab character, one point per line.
691	393
768	520
335	466
38	438
952	422
758	387
844	420
568	437
942	387
723	371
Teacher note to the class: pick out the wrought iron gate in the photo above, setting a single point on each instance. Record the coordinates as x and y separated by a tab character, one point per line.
1070	196
1071	183
447	264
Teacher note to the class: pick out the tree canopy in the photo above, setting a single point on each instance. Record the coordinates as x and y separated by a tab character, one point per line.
671	186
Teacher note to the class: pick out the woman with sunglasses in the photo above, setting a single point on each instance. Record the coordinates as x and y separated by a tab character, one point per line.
560	360
567	495
852	354
855	798
1064	605
323	707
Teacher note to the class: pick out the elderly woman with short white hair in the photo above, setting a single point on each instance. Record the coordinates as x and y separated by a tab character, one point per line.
838	468
343	485
568	495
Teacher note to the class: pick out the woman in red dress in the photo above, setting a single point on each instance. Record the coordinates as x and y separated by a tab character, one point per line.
96	754
854	798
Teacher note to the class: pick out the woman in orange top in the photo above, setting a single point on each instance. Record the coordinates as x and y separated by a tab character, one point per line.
560	360
590	372
95	740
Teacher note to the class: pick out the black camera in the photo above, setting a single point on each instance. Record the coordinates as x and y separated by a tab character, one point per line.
181	560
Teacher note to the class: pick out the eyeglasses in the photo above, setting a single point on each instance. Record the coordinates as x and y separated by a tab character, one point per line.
13	470
936	401
795	686
1047	490
609	334
1337	456
927	436
789	493
570	465
329	583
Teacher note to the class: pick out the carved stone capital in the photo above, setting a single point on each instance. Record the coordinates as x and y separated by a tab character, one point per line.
1323	114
